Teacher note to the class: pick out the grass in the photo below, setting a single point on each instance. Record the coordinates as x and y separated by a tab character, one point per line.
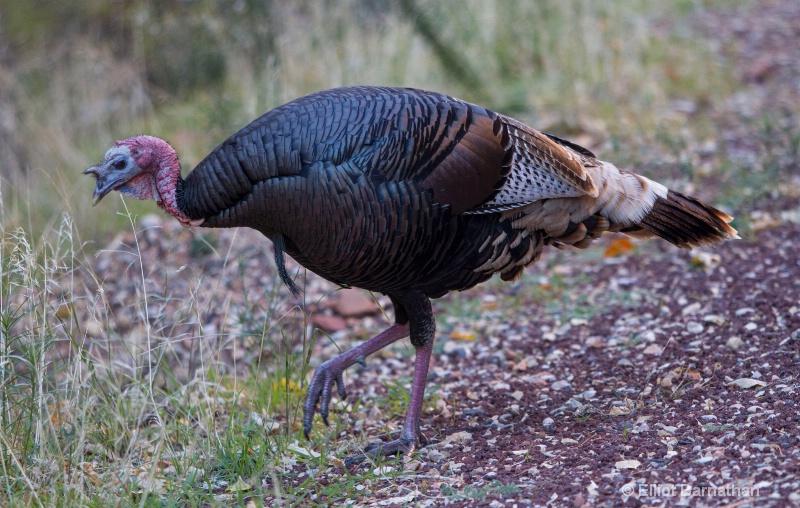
100	403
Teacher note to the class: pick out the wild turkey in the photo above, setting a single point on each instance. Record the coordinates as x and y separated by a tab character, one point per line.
408	193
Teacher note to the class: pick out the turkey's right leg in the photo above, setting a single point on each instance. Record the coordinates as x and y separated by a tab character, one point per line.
332	371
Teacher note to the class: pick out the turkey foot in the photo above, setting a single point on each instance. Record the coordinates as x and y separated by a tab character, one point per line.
332	372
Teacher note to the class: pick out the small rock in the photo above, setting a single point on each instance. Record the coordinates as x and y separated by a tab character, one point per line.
435	455
734	343
750	326
457	348
691	309
561	385
328	323
595	342
653	349
744	310
517	395
714	319
647	336
412	466
694	327
521	365
353	303
382	471
547	422
705	460
588	394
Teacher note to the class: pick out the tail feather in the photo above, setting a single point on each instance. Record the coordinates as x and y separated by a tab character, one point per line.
685	221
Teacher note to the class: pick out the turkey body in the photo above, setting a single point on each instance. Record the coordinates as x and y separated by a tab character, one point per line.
375	188
408	193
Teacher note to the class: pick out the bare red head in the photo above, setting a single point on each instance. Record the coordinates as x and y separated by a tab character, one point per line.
143	167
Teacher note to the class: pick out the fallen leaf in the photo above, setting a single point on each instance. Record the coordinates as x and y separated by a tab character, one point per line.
618	247
462	335
627	464
239	486
302	451
745	382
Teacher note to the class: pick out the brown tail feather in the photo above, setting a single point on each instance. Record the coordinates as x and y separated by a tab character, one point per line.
686	222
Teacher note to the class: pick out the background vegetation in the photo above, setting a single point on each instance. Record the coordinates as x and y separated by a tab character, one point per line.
634	80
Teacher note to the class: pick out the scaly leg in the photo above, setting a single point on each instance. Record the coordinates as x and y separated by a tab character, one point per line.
417	309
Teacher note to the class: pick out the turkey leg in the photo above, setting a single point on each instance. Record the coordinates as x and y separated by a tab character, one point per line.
416	308
414	316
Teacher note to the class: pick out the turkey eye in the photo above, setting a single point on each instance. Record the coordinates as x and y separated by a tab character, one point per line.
120	164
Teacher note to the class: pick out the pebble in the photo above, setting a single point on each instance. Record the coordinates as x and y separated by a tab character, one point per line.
573	404
547	422
750	326
435	455
561	385
734	343
715	319
353	303
691	309
648	336
694	327
653	349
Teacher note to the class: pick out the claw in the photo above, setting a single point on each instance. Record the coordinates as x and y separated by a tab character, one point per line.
375	451
361	361
332	371
354	459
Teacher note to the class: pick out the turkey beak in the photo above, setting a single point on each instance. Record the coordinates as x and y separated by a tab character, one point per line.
99	190
108	180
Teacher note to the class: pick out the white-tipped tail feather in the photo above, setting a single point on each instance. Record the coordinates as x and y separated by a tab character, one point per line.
625	197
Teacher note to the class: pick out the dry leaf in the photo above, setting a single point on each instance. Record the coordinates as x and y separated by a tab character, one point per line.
302	451
745	382
618	247
462	335
627	464
239	486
